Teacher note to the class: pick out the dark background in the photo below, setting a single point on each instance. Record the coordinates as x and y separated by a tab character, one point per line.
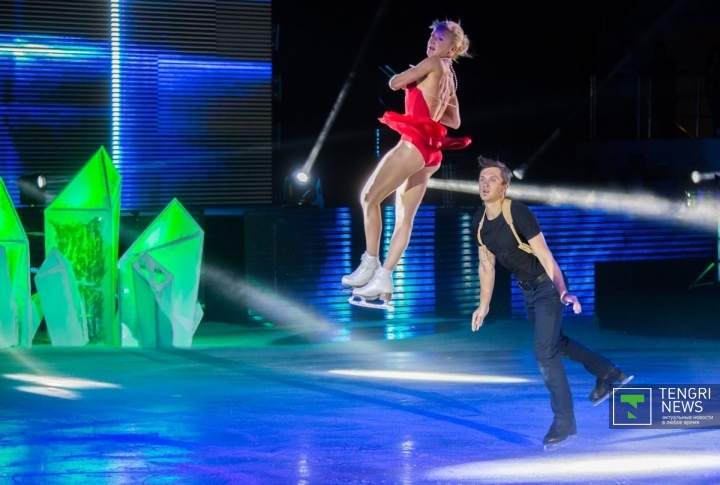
529	76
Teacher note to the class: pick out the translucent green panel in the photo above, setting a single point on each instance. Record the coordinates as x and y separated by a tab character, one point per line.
175	241
10	227
173	224
83	223
154	294
8	307
94	187
61	301
16	250
37	315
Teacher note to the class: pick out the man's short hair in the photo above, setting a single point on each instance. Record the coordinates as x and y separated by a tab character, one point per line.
489	162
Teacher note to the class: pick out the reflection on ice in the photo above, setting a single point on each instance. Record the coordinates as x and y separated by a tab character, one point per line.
571	468
430	376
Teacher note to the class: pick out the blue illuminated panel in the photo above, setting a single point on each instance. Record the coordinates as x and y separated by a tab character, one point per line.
456	266
179	93
332	249
579	239
302	254
197	129
195	92
414	276
53	104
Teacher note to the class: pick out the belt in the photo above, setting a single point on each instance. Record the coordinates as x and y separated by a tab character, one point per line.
532	284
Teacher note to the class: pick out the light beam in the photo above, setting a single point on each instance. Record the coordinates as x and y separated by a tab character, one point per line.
307	167
644	205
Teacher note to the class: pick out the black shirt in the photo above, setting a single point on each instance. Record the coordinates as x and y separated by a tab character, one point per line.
499	239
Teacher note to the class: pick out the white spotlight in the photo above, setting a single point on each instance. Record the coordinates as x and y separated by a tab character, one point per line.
698	177
519	173
302	177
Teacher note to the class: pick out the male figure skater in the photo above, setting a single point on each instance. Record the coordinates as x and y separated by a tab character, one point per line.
522	249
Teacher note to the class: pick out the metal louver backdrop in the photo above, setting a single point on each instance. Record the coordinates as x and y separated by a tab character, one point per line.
302	254
178	92
54	86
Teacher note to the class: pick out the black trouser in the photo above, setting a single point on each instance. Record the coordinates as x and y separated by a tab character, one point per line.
545	312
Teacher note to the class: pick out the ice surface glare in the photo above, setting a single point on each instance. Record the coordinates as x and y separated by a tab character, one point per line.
570	468
50	392
430	376
61	382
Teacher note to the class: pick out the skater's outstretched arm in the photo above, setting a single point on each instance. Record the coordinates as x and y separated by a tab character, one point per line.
546	258
486	269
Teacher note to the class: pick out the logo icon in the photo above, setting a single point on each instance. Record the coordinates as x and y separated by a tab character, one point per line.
633	400
632	406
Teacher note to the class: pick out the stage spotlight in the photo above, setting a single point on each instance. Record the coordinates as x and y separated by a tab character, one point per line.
698	177
39	190
519	173
32	189
302	189
302	177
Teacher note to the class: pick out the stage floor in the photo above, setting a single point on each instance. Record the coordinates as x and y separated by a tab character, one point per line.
276	406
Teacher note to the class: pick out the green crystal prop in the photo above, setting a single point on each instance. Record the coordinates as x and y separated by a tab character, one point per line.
61	302
16	313
83	223
37	314
174	242
154	294
8	307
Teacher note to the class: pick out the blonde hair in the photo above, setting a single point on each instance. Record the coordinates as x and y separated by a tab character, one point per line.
461	40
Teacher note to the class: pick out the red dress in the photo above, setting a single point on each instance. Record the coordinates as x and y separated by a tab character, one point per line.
417	127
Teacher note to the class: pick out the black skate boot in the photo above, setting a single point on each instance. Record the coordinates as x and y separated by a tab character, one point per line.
602	384
561	432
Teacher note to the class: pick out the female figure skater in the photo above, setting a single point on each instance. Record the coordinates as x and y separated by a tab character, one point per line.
430	102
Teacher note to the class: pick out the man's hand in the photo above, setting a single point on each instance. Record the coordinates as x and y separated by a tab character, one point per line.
570	299
478	316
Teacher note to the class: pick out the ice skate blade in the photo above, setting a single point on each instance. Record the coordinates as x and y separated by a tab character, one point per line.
618	386
560	444
361	301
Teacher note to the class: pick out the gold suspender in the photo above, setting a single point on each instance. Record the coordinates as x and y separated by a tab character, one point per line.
480	228
508	218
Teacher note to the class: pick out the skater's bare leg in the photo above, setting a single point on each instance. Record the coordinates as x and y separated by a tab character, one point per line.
397	165
407	202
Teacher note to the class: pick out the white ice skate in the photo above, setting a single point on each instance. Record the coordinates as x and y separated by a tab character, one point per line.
380	287
363	273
